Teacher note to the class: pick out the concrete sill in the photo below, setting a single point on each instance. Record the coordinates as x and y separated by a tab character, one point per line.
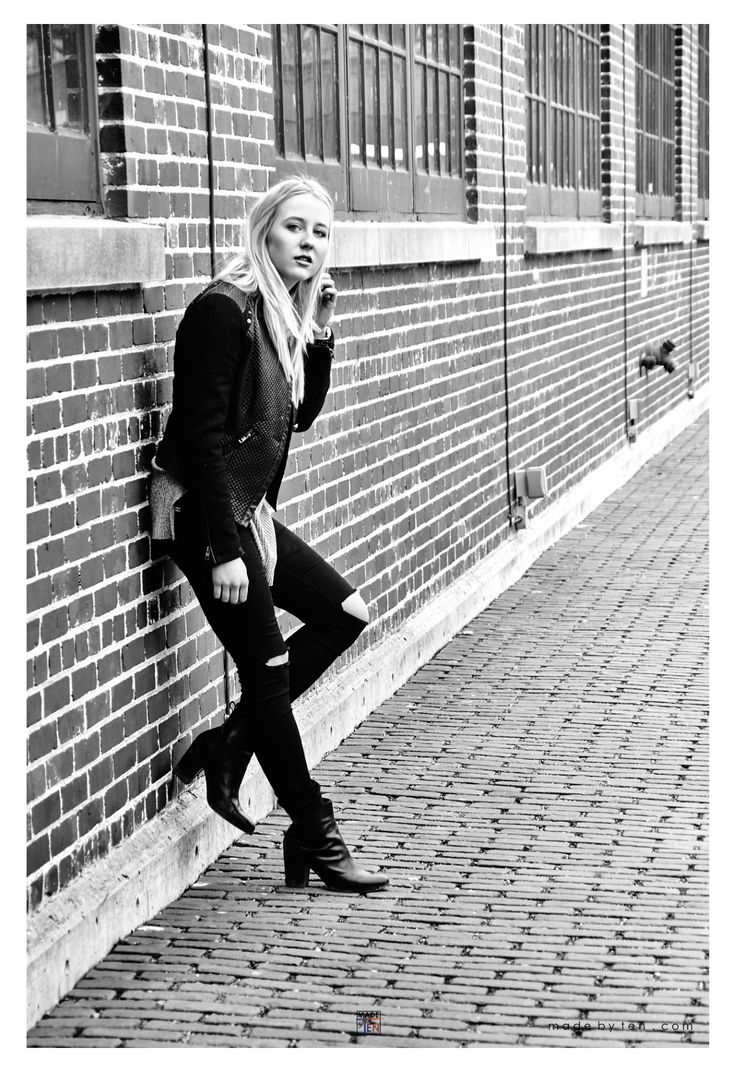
72	252
661	232
701	230
376	245
568	236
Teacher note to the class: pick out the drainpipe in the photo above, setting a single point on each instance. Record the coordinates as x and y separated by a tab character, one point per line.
626	238
505	296
213	245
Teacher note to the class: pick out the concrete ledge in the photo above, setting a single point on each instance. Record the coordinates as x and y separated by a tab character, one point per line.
376	245
701	230
661	232
71	252
566	236
73	930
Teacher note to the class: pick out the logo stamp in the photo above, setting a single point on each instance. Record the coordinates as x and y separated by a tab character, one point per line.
368	1023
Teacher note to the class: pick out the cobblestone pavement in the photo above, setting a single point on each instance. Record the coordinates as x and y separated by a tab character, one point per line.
537	792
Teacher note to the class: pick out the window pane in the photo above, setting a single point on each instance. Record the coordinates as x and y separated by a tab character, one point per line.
384	31
68	78
386	125
289	89
432	152
442	45
397	33
456	125
310	88
444	104
330	105
400	125
36	100
431	42
372	140
420	118
357	140
454	46
419	36
703	111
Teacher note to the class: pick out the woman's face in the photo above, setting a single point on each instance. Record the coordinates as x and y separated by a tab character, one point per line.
298	240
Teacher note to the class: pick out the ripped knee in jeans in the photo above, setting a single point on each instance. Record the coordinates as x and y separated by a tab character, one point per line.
356	608
278	660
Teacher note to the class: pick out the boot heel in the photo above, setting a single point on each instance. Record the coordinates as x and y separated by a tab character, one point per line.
296	866
190	764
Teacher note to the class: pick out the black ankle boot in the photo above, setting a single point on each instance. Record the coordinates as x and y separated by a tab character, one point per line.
192	762
314	842
222	754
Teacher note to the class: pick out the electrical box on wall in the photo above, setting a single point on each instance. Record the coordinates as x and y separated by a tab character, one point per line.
632	418
529	484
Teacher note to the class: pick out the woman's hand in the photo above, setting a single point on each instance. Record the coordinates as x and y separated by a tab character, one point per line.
325	309
230	581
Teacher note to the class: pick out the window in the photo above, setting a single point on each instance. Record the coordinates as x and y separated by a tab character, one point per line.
375	112
563	120
703	121
62	118
655	120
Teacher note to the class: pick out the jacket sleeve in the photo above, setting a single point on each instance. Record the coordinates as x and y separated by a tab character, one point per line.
317	366
216	346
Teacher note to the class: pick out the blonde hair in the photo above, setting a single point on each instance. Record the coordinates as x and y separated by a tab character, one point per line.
289	319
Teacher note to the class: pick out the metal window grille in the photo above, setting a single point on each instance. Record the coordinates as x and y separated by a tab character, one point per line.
655	120
61	114
394	114
563	120
703	120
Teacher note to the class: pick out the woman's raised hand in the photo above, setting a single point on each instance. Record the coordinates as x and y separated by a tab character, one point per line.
230	581
325	310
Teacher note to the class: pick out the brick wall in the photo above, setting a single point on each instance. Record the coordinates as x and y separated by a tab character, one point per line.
402	483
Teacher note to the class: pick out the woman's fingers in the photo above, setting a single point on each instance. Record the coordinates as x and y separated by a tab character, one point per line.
232	594
230	581
328	290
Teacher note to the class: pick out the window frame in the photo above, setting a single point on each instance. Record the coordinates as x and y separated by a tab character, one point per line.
362	191
330	174
546	199
703	105
63	167
656	205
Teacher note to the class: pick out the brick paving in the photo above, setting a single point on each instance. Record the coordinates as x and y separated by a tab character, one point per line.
537	792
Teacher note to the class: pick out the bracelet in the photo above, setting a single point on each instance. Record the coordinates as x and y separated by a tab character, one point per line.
322	333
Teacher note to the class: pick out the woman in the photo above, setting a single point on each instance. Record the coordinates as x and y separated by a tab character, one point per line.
251	364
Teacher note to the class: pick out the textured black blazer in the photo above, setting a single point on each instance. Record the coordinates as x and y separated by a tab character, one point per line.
231	395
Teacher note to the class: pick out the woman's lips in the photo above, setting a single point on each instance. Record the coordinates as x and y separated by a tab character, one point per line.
303	259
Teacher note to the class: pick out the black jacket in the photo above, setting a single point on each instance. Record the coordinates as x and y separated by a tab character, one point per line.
227	438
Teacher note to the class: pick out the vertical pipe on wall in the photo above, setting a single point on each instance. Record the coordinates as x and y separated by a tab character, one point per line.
694	73
213	241
505	289
626	230
210	155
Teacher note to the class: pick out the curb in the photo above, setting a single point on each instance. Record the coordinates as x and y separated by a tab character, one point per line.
76	928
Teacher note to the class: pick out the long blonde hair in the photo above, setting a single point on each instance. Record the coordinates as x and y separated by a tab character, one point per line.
289	319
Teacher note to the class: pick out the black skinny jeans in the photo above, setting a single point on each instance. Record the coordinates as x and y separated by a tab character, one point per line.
305	586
